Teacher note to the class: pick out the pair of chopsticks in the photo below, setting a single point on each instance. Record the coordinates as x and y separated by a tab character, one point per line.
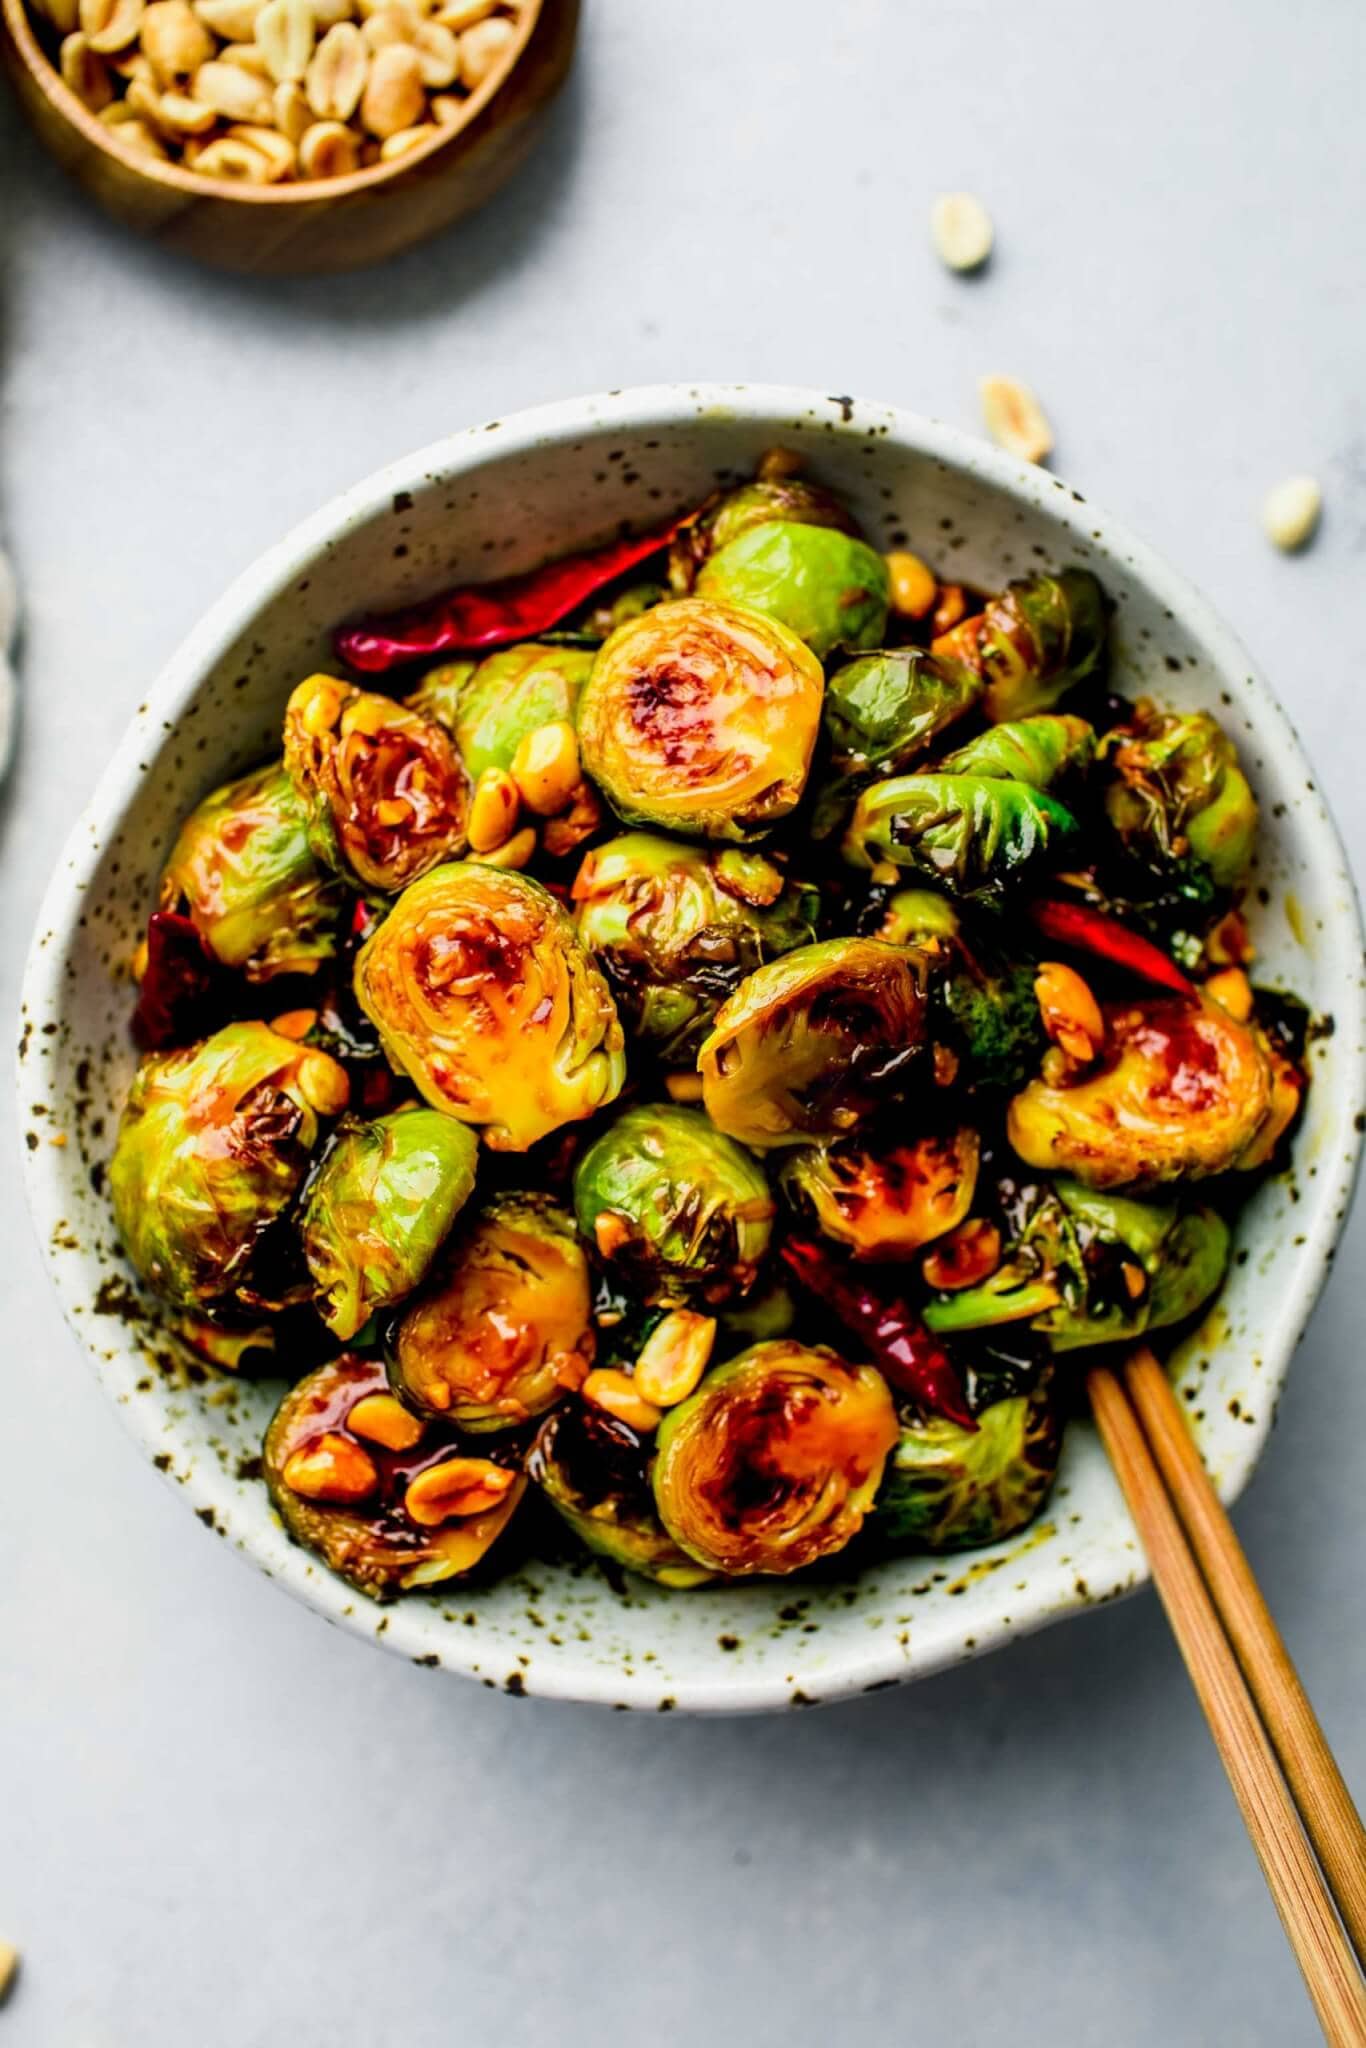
1297	1809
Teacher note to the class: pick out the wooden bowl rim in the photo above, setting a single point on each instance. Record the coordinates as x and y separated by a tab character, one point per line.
64	101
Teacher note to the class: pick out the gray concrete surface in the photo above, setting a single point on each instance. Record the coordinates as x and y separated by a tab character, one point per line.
220	1822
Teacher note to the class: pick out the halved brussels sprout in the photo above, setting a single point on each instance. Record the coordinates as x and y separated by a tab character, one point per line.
918	917
825	586
677	1210
372	1490
775	1460
382	786
379	1206
1039	751
675	928
702	716
885	1200
595	1472
243	872
1180	1090
950	1488
490	708
974	835
881	712
729	513
212	1147
1115	1267
482	993
1176	795
807	1044
1033	642
503	1327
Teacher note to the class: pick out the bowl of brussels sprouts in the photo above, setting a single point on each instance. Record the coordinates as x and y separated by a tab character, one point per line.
638	999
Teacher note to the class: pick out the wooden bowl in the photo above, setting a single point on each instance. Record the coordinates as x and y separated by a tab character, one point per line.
332	224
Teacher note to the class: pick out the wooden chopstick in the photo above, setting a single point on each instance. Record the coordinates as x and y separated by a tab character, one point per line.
1297	1889
1330	1818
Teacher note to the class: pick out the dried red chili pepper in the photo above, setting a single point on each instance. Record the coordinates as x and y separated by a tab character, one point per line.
1089	931
486	615
904	1351
180	988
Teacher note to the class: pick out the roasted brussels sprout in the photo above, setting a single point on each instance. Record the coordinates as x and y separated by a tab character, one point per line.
885	1200
951	1488
384	1498
729	513
701	716
1181	1090
382	787
1176	796
595	1472
675	928
678	1211
881	711
379	1207
1114	1267
1032	643
988	1013
1040	751
828	588
502	1328
482	993
490	708
243	872
212	1147
810	1042
775	1460
975	835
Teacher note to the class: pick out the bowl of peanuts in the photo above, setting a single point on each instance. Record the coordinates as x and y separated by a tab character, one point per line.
288	136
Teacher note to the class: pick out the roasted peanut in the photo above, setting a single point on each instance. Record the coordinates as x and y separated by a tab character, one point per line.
110	25
393	97
285	35
84	70
233	93
462	14
615	1393
610	1232
483	48
456	1488
1014	418
336	76
1071	1014
331	1468
913	585
174	40
182	115
246	57
295	1024
514	852
674	1357
684	1087
293	115
233	20
323	1081
1232	990
961	228
383	1420
546	768
493	810
1290	512
439	53
277	150
328	150
139	135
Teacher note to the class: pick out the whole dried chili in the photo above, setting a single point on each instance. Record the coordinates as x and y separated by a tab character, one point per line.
904	1351
486	615
1090	931
181	985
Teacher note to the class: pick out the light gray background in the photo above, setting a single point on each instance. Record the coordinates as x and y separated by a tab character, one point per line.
220	1821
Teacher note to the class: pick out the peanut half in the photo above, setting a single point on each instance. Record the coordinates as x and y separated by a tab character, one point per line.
1014	418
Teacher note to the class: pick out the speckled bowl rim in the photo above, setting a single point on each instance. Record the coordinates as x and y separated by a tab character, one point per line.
880	1661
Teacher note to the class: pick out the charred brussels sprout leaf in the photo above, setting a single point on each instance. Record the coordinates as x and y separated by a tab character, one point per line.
370	1489
974	835
809	1043
949	1488
490	708
483	994
595	1474
881	711
1032	643
1181	1090
775	1460
379	1206
885	1200
728	514
243	872
212	1147
1040	751
382	787
702	717
1177	798
675	1208
502	1328
674	928
828	588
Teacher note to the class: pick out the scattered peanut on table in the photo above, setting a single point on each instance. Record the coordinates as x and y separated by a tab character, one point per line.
267	92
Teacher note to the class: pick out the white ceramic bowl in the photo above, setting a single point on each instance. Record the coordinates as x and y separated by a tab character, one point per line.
505	497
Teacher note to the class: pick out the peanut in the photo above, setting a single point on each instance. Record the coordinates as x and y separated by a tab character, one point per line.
274	147
407	138
336	76
493	810
182	115
1232	990
331	1468
328	150
295	1024
456	1488
546	768
323	1081
84	70
457	15
293	115
447	108
953	602
393	97
913	585
174	40
674	1357
961	228
110	25
233	20
246	57
285	36
385	1421
62	14
1071	1014
615	1393
1014	418
233	93
514	852
684	1087
439	53
136	134
1290	511
483	48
